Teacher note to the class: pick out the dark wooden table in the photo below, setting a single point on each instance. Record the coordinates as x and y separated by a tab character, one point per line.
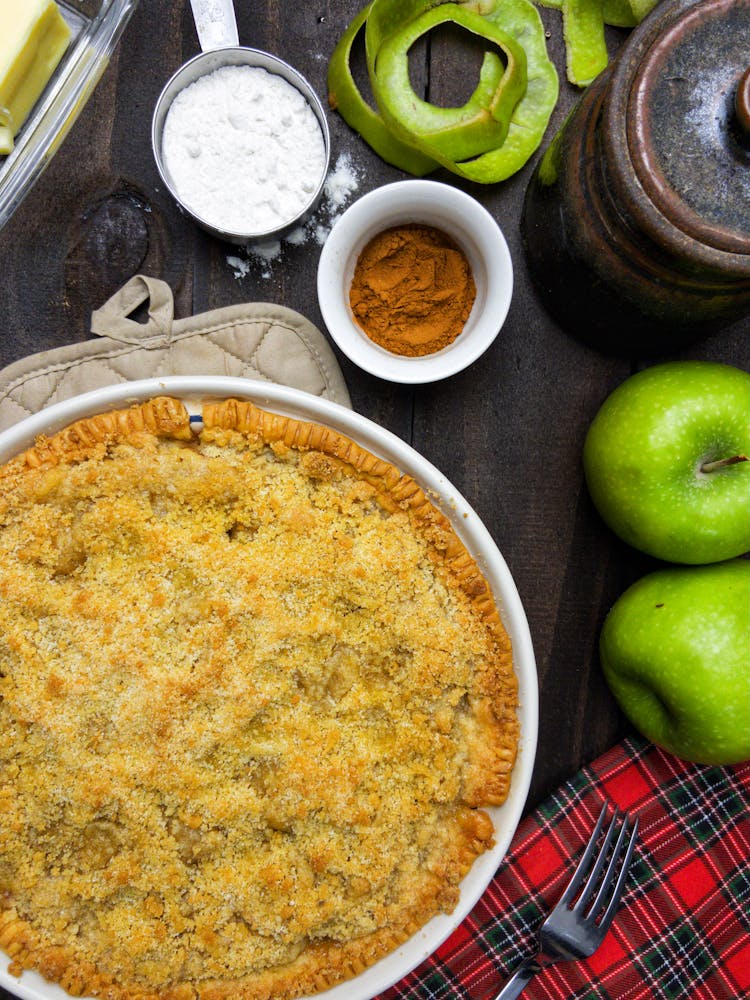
507	432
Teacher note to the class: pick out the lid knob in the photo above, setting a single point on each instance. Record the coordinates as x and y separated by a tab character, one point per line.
742	103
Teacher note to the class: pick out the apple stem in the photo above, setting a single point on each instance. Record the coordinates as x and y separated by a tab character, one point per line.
722	463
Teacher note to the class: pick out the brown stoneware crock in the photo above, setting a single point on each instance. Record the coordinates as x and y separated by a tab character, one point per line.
636	223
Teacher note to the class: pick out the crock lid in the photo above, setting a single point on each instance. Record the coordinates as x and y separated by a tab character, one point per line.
688	119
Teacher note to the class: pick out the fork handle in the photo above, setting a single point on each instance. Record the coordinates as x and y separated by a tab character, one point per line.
519	979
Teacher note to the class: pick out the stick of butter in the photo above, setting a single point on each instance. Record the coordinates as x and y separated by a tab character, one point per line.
33	38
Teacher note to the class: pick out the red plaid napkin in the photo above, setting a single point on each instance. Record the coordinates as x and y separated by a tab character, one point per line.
683	930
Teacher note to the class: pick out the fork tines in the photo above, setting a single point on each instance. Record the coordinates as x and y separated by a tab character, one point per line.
596	887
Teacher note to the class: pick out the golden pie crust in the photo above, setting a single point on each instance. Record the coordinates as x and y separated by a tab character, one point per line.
254	695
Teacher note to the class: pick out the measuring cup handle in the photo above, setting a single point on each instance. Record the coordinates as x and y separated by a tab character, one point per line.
215	23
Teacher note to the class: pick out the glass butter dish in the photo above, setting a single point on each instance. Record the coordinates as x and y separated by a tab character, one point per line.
96	27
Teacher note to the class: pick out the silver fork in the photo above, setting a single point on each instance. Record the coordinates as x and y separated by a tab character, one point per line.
577	925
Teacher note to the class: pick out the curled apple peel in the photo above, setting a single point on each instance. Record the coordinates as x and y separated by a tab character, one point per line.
488	138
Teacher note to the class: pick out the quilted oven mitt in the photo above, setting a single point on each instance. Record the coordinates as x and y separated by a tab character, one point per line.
256	340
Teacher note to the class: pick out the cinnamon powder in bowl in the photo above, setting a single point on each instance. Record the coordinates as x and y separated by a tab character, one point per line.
415	281
412	290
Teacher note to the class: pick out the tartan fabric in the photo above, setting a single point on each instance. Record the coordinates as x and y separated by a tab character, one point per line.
683	929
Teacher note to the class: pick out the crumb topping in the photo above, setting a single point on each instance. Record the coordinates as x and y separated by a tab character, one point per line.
252	700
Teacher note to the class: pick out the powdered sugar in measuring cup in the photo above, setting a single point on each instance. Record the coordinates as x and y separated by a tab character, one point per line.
239	136
244	149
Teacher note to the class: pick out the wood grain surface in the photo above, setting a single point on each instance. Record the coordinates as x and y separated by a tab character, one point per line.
507	432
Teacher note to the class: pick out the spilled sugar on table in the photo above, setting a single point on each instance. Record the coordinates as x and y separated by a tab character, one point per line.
507	432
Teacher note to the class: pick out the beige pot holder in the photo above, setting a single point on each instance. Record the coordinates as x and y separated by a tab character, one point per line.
256	340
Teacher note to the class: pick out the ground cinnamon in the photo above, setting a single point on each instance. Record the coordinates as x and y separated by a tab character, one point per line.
412	290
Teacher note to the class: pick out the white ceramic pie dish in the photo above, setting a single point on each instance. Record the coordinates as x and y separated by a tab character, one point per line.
194	389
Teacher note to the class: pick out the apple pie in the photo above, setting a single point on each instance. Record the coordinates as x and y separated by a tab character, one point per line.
254	697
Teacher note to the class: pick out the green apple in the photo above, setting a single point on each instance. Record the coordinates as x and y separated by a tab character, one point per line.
675	650
666	461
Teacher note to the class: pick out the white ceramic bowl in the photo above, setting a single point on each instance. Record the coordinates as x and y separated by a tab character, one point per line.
473	229
195	389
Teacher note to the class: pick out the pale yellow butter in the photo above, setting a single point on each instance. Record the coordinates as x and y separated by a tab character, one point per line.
33	39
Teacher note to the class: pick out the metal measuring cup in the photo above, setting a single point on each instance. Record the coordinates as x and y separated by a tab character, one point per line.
216	25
